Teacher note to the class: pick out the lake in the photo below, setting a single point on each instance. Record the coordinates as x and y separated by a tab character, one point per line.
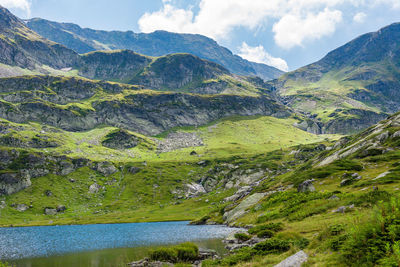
101	244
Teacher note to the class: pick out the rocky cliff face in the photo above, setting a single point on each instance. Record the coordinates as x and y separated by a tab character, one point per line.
22	47
141	111
176	72
362	75
115	65
158	43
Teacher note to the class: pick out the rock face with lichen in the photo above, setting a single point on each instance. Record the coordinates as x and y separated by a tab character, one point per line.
139	111
120	139
22	47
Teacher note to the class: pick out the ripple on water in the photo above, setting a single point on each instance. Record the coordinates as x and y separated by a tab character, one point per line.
43	241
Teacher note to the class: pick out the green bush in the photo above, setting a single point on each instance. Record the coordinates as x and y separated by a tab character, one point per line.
375	242
242	236
265	234
294	239
180	253
275	227
242	255
164	254
272	246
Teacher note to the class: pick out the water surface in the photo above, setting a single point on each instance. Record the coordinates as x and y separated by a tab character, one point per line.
99	245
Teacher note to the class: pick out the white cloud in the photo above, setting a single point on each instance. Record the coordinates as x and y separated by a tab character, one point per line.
293	30
293	21
259	55
25	5
360	17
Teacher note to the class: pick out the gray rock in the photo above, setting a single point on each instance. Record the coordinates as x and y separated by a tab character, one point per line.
345	182
11	183
147	263
341	209
207	254
48	193
396	134
383	137
95	188
134	170
193	190
50	211
306	186
295	260
22	207
61	208
105	168
242	208
3	204
241	193
333	197
66	167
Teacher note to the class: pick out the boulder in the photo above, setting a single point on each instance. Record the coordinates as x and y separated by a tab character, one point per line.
333	197
306	186
295	260
66	167
147	263
50	211
193	190
105	168
61	208
11	183
3	204
207	254
396	134
22	207
242	208
134	170
95	188
241	193
343	209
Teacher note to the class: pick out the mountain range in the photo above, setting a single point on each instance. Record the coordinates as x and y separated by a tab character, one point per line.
158	43
116	127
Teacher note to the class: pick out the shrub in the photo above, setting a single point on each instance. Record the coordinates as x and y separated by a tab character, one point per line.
268	216
187	252
377	241
180	253
164	254
294	239
265	234
272	246
275	227
242	236
242	255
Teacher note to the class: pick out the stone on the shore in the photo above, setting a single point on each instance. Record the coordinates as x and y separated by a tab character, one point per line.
295	260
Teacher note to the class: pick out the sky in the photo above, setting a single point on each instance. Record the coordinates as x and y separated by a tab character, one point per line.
286	34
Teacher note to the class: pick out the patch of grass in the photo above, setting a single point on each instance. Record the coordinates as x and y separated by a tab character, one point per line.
185	252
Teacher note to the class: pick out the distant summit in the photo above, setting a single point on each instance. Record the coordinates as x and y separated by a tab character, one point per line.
158	43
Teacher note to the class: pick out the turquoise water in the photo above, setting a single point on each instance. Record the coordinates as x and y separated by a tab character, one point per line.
99	245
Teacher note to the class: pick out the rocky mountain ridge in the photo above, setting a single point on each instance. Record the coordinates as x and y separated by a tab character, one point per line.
158	43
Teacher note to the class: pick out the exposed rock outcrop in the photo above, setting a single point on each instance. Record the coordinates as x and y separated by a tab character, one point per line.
295	260
306	186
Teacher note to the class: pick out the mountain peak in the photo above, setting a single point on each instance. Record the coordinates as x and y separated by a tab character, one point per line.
158	43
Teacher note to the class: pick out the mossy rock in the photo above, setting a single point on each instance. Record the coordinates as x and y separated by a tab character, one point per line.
121	139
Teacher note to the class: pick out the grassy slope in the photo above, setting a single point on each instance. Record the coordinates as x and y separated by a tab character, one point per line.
310	214
145	196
